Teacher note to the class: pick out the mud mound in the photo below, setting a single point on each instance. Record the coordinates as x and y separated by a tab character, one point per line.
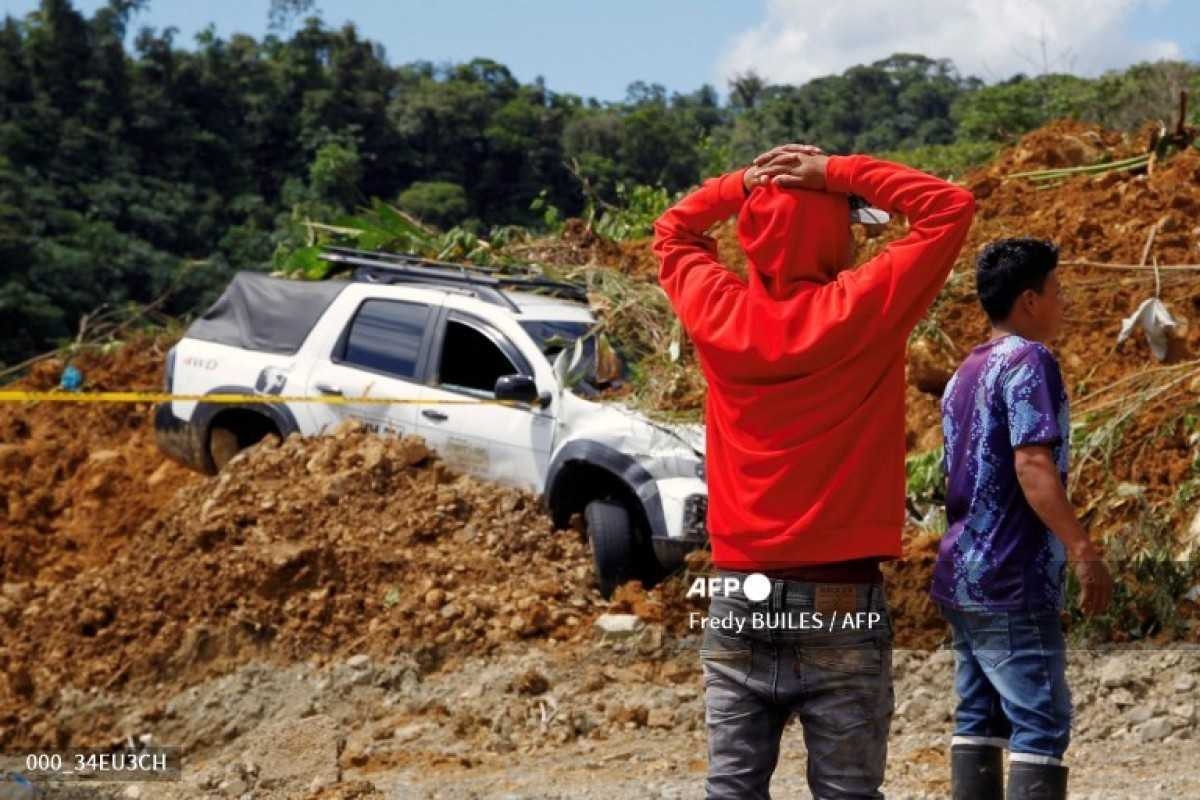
915	620
1107	219
77	480
1065	143
1104	218
303	550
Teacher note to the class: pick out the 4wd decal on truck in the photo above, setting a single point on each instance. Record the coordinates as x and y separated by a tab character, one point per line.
200	363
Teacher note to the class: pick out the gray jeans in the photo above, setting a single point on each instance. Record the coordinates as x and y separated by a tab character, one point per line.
832	669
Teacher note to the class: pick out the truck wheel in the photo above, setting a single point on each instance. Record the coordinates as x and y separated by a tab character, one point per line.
234	430
223	446
611	534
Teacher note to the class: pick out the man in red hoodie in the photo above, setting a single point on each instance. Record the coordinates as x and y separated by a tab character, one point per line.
804	360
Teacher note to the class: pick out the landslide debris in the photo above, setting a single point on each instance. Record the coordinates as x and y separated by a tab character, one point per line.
120	570
299	551
76	481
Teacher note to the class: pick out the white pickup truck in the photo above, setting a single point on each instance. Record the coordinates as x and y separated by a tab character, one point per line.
409	328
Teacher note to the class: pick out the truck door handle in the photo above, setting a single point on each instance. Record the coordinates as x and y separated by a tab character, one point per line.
328	388
433	414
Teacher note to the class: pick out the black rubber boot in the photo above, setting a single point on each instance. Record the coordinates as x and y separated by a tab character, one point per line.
976	772
1036	781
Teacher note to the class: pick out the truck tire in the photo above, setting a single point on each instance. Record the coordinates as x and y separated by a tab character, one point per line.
610	532
233	430
222	446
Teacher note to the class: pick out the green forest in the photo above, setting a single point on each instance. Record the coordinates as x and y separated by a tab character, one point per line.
147	174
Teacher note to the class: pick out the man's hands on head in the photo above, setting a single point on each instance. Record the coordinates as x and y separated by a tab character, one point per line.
789	166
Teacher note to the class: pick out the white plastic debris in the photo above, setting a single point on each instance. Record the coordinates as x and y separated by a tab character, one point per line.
1156	320
618	626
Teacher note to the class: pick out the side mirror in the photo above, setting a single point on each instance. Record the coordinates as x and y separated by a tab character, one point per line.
517	388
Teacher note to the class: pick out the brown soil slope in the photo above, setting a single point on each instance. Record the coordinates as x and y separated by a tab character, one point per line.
76	481
350	543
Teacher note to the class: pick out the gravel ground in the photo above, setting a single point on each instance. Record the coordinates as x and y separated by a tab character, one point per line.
611	719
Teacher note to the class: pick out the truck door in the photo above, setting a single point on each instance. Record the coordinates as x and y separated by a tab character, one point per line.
510	444
381	353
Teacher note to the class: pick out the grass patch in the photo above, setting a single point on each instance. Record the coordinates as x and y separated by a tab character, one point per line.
1150	579
946	160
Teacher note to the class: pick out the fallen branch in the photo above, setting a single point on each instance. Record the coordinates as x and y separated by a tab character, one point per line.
1089	169
1081	403
1149	244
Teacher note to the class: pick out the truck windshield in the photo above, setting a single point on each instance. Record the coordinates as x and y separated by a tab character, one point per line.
602	367
553	335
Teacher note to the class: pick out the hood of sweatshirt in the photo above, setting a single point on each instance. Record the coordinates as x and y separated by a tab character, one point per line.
792	237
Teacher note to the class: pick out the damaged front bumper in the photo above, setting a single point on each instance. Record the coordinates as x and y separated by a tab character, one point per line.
685	511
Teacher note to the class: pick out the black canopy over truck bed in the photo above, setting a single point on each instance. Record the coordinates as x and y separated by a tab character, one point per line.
271	315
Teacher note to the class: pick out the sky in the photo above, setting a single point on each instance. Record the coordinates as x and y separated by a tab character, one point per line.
596	49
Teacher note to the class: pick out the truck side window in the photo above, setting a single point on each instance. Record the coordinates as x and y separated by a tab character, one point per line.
385	336
471	360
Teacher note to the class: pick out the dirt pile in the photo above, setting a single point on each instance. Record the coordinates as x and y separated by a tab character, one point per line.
1135	451
297	551
76	481
1105	218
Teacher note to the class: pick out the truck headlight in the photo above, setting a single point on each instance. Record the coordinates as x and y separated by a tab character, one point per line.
695	516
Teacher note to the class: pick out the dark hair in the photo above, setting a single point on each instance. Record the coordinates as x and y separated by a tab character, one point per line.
1007	267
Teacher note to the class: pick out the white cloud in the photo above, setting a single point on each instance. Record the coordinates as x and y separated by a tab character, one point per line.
992	39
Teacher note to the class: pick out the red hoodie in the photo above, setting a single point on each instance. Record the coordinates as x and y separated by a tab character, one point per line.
805	364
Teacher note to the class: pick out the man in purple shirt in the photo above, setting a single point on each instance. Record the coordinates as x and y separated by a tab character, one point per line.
1011	531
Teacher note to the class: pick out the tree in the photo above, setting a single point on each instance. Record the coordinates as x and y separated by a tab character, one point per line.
282	14
745	89
118	164
335	172
438	202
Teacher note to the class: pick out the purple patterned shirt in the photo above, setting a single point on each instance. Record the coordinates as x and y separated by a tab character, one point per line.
997	555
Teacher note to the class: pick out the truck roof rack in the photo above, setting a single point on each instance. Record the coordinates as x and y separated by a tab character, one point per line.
486	283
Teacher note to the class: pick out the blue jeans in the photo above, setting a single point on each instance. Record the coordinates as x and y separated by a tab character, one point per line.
1011	677
836	680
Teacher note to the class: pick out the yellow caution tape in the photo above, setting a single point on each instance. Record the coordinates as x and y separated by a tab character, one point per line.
14	396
